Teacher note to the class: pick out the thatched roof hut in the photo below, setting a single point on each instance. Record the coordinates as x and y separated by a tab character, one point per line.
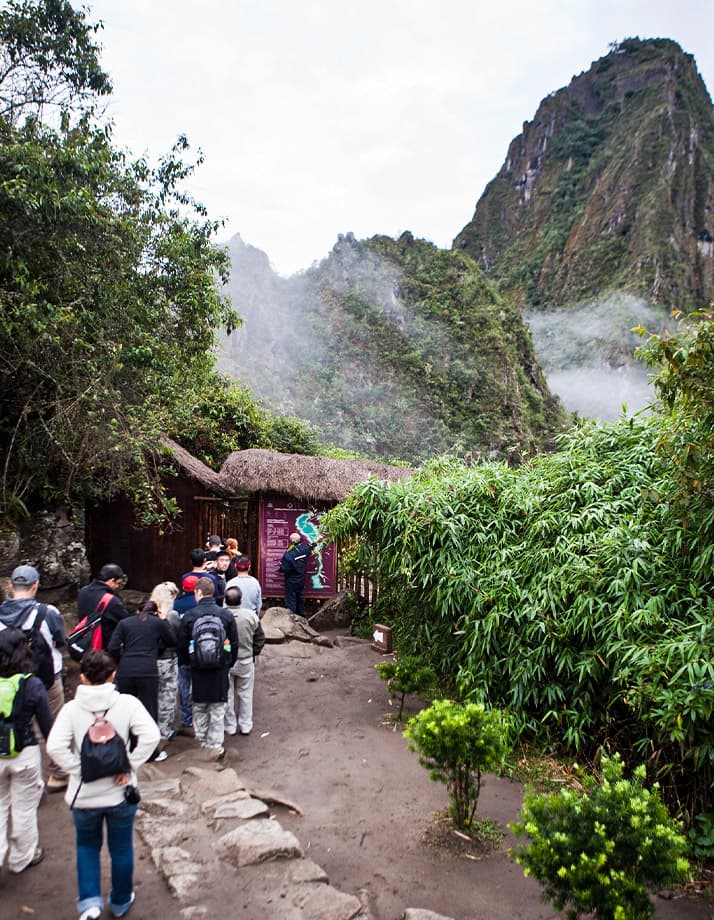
195	469
305	478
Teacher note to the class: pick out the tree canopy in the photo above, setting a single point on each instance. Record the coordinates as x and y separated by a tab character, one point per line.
48	58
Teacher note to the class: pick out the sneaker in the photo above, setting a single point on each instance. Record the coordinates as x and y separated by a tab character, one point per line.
57	783
91	913
37	858
119	912
161	756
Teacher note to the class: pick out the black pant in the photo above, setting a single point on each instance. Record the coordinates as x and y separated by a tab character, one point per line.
293	598
145	689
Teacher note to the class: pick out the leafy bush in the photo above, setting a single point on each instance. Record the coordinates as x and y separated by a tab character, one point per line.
406	675
597	849
701	835
456	742
570	591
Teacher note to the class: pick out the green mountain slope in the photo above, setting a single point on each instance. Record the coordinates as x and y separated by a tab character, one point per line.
391	348
611	186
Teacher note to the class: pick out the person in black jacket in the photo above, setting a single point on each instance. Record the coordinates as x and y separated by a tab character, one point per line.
135	644
109	580
209	687
21	783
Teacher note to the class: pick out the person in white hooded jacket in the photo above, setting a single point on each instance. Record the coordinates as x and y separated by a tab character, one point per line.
102	801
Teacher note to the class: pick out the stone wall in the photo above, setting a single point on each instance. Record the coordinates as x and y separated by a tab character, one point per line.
52	541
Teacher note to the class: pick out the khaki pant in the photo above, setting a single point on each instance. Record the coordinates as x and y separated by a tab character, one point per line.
241	678
21	789
55	697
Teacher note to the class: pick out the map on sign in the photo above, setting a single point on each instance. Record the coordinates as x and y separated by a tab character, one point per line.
279	517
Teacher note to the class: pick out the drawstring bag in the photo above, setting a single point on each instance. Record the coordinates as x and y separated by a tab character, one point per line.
103	752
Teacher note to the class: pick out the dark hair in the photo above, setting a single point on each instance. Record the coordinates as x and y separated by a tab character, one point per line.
149	607
197	556
242	562
97	665
15	653
206	586
109	571
234	596
222	552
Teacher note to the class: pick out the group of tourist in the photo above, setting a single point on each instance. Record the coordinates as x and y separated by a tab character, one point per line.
186	656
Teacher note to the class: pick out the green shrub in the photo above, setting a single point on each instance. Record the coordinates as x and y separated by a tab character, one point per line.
456	742
595	850
406	675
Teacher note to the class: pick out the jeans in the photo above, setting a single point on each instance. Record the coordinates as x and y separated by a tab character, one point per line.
89	826
184	687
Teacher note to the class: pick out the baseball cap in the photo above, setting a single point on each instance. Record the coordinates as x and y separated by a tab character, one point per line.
25	575
189	583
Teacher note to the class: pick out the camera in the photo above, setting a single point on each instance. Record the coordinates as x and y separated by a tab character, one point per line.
131	795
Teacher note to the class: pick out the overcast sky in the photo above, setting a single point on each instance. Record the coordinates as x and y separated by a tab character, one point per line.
373	116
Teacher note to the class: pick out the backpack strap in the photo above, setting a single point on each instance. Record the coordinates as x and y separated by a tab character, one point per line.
38	614
104	602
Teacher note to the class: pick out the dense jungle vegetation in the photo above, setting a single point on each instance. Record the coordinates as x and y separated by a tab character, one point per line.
575	591
109	307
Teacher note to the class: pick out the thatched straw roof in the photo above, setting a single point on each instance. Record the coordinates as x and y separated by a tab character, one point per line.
194	468
306	478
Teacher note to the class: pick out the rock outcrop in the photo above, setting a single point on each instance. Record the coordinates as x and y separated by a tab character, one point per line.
210	823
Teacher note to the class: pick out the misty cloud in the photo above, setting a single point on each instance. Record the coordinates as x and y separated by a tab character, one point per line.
587	353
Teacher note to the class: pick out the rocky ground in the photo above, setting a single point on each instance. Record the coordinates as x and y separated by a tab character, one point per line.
323	789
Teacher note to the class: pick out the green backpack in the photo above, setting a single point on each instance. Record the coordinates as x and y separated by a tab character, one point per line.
11	732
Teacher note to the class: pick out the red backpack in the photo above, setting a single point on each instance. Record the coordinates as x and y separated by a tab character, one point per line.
88	632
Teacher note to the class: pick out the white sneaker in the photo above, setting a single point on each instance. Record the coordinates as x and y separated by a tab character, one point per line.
91	913
120	913
161	756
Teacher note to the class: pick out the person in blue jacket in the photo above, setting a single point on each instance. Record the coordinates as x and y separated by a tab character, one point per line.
293	566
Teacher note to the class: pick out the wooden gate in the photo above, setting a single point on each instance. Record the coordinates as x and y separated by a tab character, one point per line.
225	517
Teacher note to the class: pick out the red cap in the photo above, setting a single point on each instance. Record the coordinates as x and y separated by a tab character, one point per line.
189	583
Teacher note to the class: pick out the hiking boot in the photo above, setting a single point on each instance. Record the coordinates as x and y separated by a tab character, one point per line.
57	783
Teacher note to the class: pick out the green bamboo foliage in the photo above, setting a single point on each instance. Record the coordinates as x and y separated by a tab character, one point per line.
570	591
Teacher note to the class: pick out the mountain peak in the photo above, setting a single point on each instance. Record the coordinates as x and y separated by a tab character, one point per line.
610	186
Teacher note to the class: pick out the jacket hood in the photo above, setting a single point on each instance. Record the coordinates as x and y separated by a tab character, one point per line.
16	610
96	697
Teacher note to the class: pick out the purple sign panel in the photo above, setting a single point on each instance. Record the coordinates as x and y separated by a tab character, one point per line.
279	517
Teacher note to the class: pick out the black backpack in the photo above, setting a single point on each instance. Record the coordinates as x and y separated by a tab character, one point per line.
42	662
44	665
103	752
208	639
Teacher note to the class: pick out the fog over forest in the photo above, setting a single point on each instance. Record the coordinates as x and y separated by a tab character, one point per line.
586	350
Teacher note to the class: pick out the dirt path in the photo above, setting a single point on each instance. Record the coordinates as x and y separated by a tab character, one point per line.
320	739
